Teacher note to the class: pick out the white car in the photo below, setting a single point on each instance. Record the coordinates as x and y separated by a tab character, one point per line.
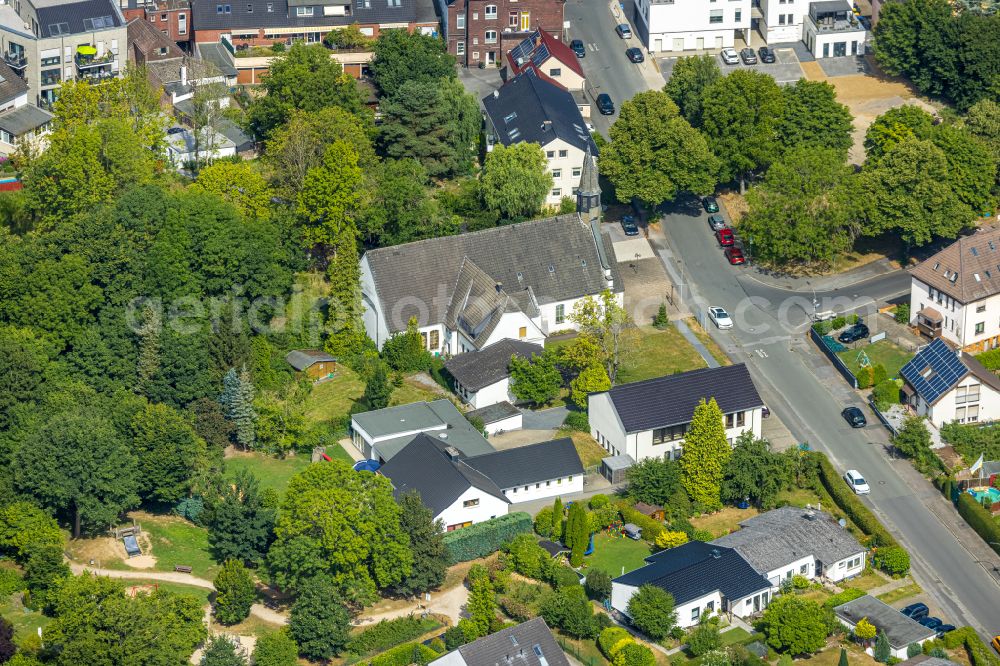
730	56
857	482
720	317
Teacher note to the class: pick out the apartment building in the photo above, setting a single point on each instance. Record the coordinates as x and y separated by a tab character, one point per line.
47	42
171	17
690	25
480	31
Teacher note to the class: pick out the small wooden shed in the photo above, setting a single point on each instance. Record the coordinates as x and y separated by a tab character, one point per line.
315	363
654	511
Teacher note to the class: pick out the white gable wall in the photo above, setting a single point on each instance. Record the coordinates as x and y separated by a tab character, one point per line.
564	485
948	408
488	395
483	507
804	566
745	607
373	317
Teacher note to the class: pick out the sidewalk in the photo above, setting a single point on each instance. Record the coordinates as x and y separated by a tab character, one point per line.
696	343
826	282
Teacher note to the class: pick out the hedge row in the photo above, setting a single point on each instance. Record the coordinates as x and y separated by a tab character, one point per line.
388	633
481	539
979	519
849	594
404	655
849	503
650	528
979	653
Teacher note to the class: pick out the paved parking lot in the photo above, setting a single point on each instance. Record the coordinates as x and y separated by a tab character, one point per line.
844	66
786	69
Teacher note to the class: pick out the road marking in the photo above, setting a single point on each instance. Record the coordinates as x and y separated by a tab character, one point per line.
761	353
593	47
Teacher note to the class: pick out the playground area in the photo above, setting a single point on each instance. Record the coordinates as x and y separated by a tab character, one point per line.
886	353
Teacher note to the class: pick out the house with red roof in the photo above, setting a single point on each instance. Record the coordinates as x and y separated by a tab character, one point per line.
544	55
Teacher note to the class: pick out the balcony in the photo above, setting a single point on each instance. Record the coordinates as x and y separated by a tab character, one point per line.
929	323
833	16
16	62
87	61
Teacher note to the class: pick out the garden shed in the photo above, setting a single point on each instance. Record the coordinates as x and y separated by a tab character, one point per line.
615	468
314	363
654	511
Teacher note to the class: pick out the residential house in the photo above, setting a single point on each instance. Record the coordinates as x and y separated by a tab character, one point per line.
19	120
478	32
529	109
497	418
900	630
462	490
147	45
313	363
171	18
47	42
649	419
544	55
828	28
955	294
701	577
468	291
482	377
382	433
789	541
527	644
948	385
187	147
691	25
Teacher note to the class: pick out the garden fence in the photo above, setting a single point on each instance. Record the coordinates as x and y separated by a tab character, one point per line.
834	359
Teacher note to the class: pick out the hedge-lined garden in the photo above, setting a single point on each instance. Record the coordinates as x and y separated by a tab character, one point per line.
481	539
980	520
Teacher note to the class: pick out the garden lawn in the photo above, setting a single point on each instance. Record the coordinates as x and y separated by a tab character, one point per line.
176	541
867	581
723	522
613	554
735	635
332	400
713	348
831	657
888	353
587	448
26	622
201	593
273	472
900	593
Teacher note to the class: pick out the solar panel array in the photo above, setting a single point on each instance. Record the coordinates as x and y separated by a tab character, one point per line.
523	50
946	368
540	55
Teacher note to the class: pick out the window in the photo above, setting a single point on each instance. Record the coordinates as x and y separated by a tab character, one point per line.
804	569
557	173
182	27
960	414
7	137
470	503
559	481
435	339
218	9
270	8
490	13
550	154
522	332
671	434
475	16
569	479
475	54
491	36
249	9
576	173
980	308
738	16
548	483
395	3
710	606
460	21
525	19
695	613
555	71
54	60
557	192
980	327
512	19
163	17
560	313
781	19
304	11
460	48
475	42
563	153
715	16
538	485
50	77
736	420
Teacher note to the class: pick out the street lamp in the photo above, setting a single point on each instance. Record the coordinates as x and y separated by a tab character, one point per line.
815	302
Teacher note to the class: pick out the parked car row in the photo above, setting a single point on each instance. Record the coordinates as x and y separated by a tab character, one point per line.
723	234
747	55
921	614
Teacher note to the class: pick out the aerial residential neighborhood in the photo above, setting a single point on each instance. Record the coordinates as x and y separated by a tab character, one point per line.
499	332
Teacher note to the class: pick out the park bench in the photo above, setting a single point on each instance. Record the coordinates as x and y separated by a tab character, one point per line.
182	568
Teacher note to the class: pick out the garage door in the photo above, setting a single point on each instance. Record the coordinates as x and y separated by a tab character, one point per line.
718	41
701	44
678	44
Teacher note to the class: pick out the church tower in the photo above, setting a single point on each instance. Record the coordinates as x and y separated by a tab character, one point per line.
588	194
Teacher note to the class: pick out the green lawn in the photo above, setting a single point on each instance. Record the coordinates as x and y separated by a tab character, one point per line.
889	354
175	542
735	635
905	592
723	522
334	398
867	581
273	472
201	593
26	622
714	349
615	554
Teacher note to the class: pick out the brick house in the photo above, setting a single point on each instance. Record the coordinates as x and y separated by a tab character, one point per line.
482	30
171	17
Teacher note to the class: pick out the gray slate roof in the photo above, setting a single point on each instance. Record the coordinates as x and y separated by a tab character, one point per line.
493	413
12	86
899	629
437	417
589	182
478	303
781	536
76	16
519	643
207	17
927	660
216	53
300	359
478	369
23	119
523	465
518	256
696	569
528	109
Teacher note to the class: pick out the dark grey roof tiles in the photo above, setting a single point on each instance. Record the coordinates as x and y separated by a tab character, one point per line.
300	359
533	463
73	18
478	369
899	629
12	86
527	644
24	119
670	400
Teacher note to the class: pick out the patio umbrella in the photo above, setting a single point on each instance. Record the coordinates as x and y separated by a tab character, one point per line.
86	50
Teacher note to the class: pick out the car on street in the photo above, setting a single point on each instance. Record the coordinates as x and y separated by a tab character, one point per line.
855	417
766	54
729	56
996	643
944	629
634	54
735	256
623	30
931	622
725	237
716	222
857	482
748	56
917	611
578	48
720	317
629	226
857	332
605	105
710	204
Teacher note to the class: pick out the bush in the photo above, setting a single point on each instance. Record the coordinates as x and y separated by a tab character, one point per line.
634	654
704	638
570	611
611	640
516	609
527	558
10	582
388	633
651	529
880	374
454	638
701	535
277	648
577	421
652	611
979	653
598	584
866	377
543	522
849	594
236	593
902	314
661	320
668	539
885	394
561	577
979	519
800	582
894	560
404	655
990	359
599	501
481	539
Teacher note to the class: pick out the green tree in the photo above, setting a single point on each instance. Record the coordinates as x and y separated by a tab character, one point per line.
401	56
77	464
983	121
7	646
344	310
319	623
914	440
882	651
405	352
652	611
536	379
570	611
654	480
795	626
865	630
241	184
235	592
482	606
238	401
169	453
222	651
378	388
633	654
24	360
330	198
304	78
337	522
895	125
577	533
755	472
240	519
592	380
430	561
688	80
704	638
706	452
608	324
972	167
742	114
843	658
598	584
813	117
435	122
277	648
916	204
402	208
557	520
515	180
655	154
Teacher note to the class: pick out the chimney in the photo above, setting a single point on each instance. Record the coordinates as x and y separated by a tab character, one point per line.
546	125
715	553
184	75
453	454
496	94
499	286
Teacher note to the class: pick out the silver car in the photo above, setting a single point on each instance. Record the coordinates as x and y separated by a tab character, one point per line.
730	56
716	222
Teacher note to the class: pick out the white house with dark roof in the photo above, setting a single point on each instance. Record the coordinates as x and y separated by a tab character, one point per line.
947	385
900	630
649	419
530	643
789	541
482	377
19	120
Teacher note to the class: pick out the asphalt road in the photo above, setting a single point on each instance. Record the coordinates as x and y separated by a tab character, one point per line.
800	386
606	67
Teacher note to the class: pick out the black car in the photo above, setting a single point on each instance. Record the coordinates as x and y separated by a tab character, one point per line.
578	48
766	54
605	105
634	54
855	417
944	629
710	204
931	622
857	332
175	130
629	226
917	611
748	56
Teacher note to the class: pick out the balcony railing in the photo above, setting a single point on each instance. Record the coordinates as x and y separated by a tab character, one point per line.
96	75
94	62
829	24
15	61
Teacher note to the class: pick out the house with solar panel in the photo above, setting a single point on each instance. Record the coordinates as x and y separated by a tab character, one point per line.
548	58
946	384
955	294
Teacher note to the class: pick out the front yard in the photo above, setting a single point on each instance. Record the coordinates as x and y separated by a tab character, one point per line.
659	353
885	352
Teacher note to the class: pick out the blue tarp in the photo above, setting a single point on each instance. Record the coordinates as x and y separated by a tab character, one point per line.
367	466
131	546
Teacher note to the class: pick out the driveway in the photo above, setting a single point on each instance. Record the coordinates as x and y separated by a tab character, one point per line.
785	69
545	419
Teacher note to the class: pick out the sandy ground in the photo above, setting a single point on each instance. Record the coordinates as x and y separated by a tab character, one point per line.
448	602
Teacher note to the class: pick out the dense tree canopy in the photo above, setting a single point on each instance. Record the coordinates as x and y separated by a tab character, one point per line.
813	117
515	180
240	519
705	454
754	472
401	57
688	80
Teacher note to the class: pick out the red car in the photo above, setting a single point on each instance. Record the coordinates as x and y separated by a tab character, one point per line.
725	237
735	256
